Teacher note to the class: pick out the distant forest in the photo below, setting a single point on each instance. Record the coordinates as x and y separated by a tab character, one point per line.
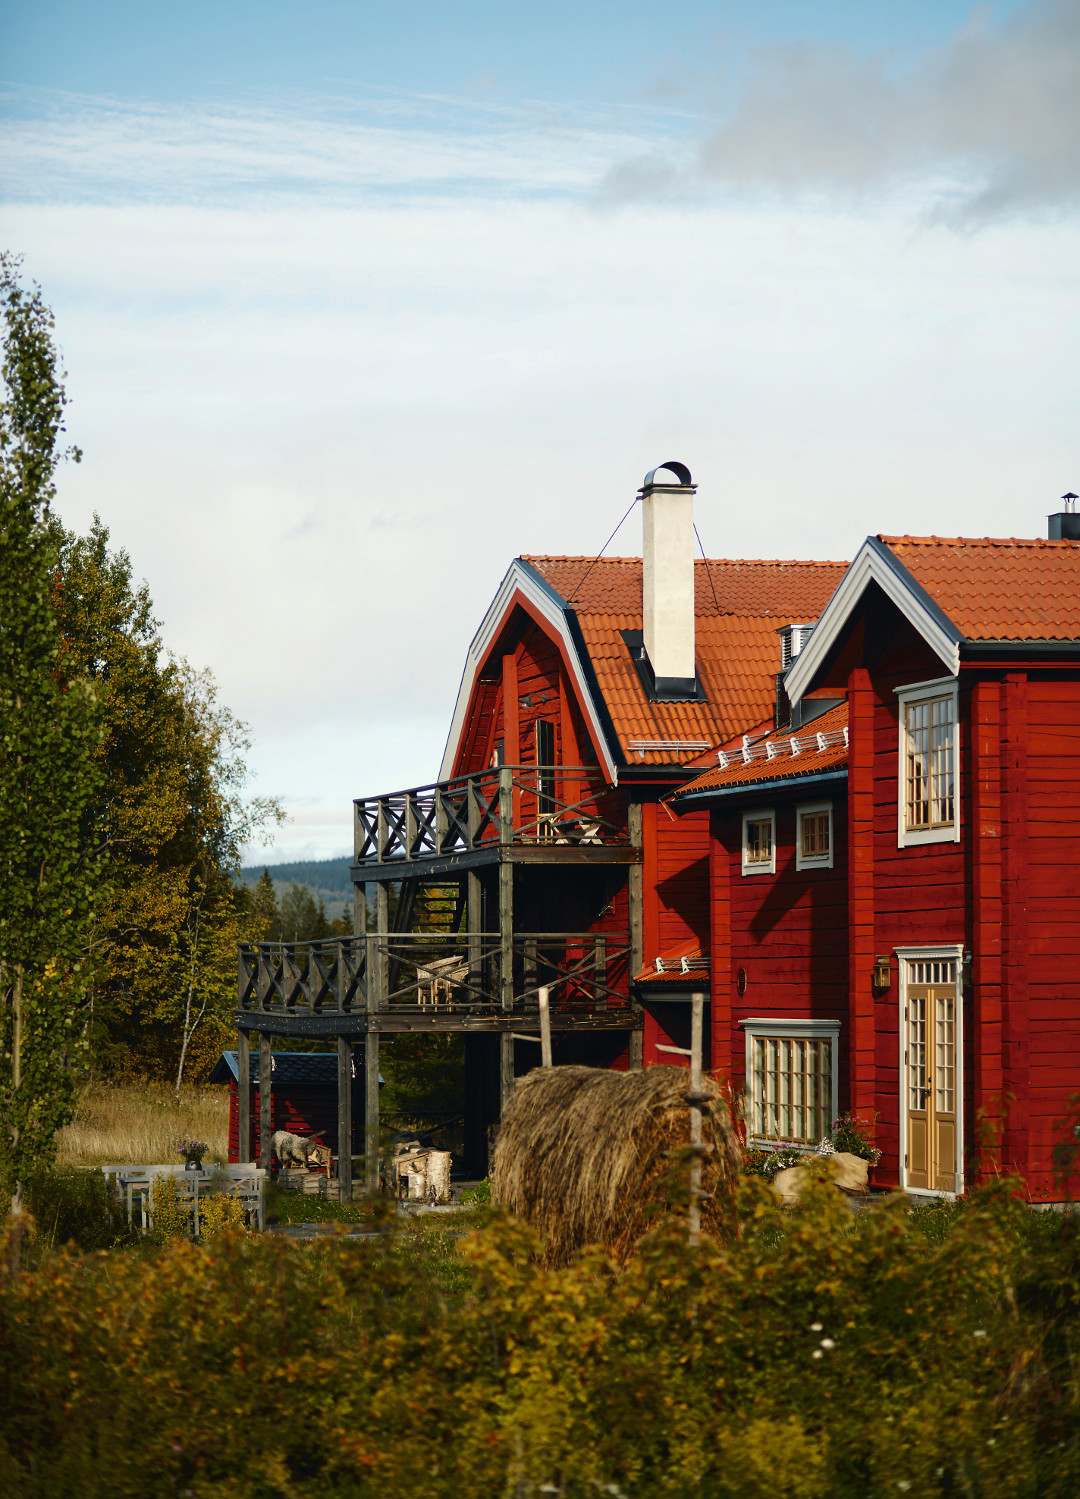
323	876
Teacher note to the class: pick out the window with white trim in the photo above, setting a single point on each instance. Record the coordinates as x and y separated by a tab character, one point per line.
814	837
928	784
791	1079
759	842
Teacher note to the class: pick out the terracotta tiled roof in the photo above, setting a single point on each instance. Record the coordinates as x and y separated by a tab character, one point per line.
822	746
1008	589
696	968
739	607
795	590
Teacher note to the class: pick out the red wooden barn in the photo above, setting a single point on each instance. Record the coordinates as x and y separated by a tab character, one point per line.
895	866
303	1097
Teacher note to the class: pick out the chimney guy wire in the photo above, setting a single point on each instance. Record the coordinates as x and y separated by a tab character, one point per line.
708	569
600	553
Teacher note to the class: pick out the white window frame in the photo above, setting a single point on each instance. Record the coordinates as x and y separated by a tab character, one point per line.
760	814
948	952
813	861
758	1027
941	687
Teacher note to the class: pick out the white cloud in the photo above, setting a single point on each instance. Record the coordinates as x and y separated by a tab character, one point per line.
988	124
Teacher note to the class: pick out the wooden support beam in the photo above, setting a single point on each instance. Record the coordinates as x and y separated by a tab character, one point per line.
474	911
381	974
506	936
243	1096
371	1113
266	1116
359	905
634	877
344	1117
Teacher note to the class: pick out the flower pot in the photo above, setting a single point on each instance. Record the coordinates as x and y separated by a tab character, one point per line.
193	1165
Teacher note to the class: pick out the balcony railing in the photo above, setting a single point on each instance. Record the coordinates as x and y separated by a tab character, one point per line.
425	973
542	805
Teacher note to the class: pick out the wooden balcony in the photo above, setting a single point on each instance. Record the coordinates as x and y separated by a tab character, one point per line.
424	981
514	815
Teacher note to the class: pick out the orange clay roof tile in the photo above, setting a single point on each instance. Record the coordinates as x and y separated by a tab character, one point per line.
739	607
812	759
998	589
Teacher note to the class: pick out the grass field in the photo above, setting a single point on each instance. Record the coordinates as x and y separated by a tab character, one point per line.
139	1124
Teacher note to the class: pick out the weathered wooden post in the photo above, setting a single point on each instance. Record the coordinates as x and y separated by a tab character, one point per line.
545	1026
344	1117
243	1096
266	1116
697	1099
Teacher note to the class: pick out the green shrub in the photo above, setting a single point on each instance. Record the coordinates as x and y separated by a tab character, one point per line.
479	1195
813	1355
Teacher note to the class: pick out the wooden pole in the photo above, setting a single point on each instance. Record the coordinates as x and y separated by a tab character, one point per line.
697	1006
243	1096
371	1111
344	1118
266	1116
545	1026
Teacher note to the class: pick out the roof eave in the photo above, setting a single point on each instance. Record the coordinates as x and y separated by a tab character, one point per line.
686	799
875	563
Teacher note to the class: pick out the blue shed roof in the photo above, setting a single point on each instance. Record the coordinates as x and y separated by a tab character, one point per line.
297	1069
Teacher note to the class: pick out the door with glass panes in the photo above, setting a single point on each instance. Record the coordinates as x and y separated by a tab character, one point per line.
931	1102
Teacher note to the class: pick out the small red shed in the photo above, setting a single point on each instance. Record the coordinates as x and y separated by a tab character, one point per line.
303	1096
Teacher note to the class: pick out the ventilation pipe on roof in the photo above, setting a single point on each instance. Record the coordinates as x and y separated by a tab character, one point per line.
1065	525
668	580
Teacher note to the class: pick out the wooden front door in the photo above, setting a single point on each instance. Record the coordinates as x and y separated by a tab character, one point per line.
931	1102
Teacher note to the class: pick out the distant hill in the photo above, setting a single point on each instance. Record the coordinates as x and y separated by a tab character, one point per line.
327	879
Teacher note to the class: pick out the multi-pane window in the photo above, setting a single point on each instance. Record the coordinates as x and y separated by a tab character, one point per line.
759	843
932	1120
929	787
791	1081
813	846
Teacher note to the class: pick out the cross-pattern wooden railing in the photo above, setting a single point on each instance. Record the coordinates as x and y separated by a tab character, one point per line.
585	972
514	804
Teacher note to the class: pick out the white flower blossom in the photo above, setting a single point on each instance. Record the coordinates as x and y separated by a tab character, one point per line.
815	1327
980	1332
827	1343
817	1353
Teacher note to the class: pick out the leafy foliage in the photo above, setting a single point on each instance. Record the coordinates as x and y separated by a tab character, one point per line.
170	820
50	732
813	1355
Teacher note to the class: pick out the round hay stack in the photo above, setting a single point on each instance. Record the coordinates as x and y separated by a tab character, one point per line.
584	1155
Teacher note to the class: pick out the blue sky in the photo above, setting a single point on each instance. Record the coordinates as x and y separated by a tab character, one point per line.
566	52
358	302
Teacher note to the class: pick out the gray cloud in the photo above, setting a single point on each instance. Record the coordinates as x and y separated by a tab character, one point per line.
990	123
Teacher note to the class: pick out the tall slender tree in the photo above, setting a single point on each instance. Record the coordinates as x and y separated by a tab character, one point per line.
50	731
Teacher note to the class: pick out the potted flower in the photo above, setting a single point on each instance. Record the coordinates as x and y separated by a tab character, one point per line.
193	1152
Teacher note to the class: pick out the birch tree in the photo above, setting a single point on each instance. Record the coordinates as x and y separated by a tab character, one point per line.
50	731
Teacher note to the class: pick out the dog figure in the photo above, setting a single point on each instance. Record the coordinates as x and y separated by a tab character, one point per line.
299	1150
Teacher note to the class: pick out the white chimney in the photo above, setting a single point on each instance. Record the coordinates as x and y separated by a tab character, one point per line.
668	580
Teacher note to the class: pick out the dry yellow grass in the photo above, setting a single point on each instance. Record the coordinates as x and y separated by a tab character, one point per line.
139	1124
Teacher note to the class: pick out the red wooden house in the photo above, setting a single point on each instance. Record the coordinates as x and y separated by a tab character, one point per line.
894	882
589	688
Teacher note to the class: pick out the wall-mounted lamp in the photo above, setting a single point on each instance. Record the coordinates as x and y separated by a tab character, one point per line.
740	980
882	973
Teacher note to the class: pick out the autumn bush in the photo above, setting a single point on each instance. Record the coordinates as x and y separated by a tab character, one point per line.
810	1355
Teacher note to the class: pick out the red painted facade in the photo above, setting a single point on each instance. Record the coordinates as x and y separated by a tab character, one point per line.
1003	897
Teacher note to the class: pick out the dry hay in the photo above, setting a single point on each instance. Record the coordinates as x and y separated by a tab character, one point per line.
584	1155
